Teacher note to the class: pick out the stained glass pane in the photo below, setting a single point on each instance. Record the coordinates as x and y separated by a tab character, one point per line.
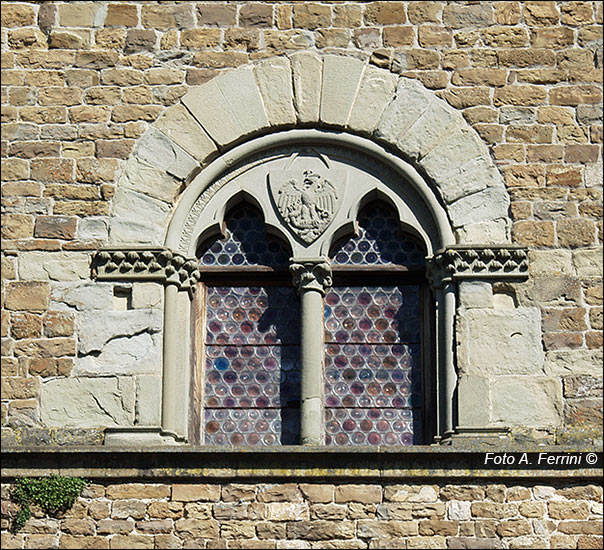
372	365
245	244
252	382
380	241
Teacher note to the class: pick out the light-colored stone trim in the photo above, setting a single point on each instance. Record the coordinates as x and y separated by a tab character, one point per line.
478	263
145	264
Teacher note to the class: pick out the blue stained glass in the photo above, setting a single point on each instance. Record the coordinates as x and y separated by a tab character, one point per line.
380	241
245	244
252	368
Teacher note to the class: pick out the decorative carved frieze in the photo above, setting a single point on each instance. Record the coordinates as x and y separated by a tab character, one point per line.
307	200
479	262
145	264
311	274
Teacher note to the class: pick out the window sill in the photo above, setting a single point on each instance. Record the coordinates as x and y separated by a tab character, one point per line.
295	462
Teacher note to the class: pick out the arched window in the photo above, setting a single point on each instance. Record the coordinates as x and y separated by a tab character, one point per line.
251	336
373	351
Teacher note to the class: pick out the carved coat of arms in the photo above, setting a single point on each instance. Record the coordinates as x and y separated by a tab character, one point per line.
307	200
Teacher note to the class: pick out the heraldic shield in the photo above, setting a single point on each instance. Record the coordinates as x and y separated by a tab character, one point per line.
307	200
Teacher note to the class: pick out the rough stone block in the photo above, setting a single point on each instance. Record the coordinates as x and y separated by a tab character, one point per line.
358	493
550	262
193	492
87	402
375	93
28	296
124	342
58	266
160	151
307	69
341	76
512	336
370	529
274	78
148	400
527	401
82	296
180	126
588	262
320	530
474	400
473	294
487	232
286	511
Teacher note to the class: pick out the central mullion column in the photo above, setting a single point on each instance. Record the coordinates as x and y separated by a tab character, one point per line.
311	277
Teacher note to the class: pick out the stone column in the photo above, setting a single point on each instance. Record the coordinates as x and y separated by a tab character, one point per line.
312	277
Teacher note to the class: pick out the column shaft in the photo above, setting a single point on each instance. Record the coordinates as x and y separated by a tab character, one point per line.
311	351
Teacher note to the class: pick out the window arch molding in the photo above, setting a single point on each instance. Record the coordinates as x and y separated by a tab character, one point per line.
373	173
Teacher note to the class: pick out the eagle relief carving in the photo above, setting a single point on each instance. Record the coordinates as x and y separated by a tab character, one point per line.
307	200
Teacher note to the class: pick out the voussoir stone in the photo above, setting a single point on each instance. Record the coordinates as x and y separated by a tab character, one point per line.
341	76
457	149
228	106
307	71
274	78
430	129
182	128
374	94
149	180
489	204
159	150
87	402
411	100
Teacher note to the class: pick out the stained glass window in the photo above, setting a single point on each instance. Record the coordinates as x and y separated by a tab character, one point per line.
380	242
252	341
372	365
245	243
372	340
252	384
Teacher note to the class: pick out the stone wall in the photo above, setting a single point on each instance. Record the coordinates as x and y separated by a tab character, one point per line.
319	515
83	81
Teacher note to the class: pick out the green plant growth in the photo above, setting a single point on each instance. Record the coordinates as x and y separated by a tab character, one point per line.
53	494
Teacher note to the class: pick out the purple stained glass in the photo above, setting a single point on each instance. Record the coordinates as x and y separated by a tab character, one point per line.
372	426
252	316
245	243
263	427
372	314
252	382
372	364
380	241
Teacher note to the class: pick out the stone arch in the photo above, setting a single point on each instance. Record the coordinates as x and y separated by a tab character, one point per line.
306	89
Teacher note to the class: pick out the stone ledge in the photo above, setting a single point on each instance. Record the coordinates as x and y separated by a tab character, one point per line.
198	462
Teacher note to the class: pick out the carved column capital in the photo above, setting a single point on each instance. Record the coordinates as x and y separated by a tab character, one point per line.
145	264
488	262
311	274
